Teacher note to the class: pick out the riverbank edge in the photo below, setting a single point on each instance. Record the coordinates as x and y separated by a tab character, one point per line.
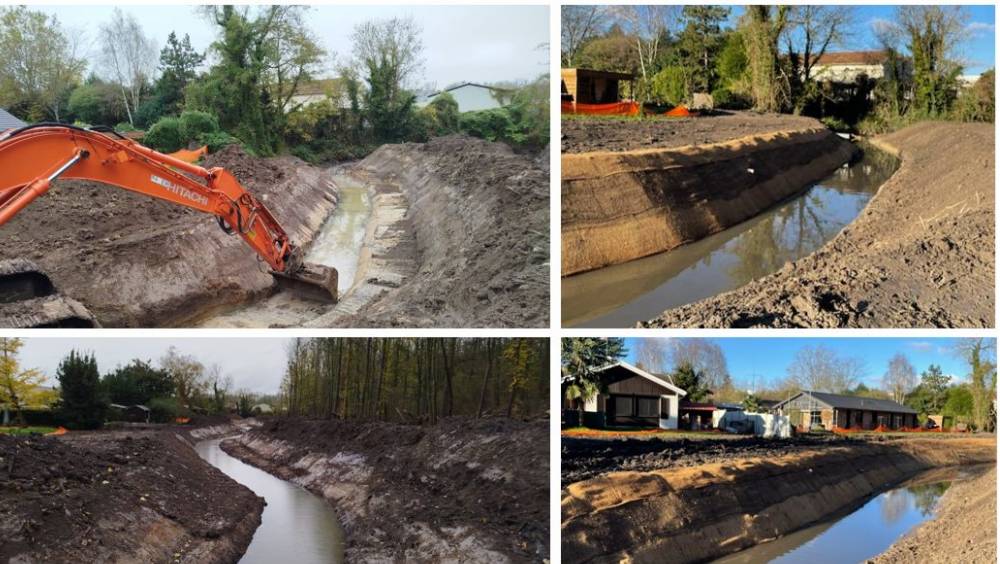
621	206
704	512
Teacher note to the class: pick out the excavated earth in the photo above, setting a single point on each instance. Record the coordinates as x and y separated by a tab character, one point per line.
119	496
134	261
464	490
949	538
920	255
696	513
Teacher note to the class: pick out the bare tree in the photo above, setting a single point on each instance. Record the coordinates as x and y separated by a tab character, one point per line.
579	24
649	25
980	353
820	369
654	355
129	58
811	30
705	356
394	42
900	378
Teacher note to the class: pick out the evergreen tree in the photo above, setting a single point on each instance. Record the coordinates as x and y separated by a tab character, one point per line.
581	356
691	381
179	64
83	404
700	43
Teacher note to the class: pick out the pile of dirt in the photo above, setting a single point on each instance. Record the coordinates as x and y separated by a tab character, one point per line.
920	255
949	539
584	135
475	490
118	496
136	261
479	213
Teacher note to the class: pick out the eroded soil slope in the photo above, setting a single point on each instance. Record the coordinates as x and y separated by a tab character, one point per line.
949	538
465	489
136	261
479	214
582	135
119	497
920	255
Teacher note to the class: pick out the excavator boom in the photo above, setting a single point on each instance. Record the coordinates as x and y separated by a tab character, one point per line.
32	157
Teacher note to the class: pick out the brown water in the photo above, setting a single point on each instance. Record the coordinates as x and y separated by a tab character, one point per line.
296	526
865	532
624	294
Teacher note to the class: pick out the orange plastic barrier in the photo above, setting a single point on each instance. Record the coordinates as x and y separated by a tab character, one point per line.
190	156
616	109
679	111
58	431
182	420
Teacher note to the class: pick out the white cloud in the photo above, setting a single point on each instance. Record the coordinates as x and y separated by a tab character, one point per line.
979	29
920	345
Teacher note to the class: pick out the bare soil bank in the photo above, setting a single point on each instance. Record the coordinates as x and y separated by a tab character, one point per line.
479	215
142	496
134	261
464	490
920	255
619	206
585	135
698	513
963	532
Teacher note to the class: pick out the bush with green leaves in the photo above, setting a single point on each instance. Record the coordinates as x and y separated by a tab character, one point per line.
441	115
164	410
670	85
165	135
195	124
215	141
125	126
492	125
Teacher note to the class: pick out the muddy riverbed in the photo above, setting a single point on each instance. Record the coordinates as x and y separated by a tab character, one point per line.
625	294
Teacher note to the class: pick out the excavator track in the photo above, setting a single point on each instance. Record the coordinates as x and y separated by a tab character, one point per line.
29	299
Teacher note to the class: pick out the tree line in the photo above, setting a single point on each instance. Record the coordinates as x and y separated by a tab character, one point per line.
699	367
261	59
766	60
416	380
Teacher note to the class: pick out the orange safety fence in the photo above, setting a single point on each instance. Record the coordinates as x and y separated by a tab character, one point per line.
182	420
616	109
190	156
678	111
884	429
58	431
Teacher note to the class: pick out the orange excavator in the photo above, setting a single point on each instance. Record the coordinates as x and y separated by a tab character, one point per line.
32	157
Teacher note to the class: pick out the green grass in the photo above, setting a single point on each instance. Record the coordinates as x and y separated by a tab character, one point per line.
15	431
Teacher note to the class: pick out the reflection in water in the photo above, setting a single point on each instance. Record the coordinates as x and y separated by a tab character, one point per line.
869	531
296	526
621	295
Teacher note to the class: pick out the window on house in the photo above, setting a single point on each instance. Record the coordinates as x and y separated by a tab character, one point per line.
623	406
649	407
815	419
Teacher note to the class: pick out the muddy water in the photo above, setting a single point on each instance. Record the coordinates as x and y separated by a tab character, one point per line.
862	533
296	526
624	294
338	244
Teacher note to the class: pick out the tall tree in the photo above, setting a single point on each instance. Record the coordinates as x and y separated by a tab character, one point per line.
581	357
129	58
820	369
578	25
692	381
700	42
187	373
705	356
900	378
931	33
137	383
179	64
980	354
82	403
17	387
761	28
648	26
811	31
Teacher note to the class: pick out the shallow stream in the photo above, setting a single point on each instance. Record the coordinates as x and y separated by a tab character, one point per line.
624	294
296	526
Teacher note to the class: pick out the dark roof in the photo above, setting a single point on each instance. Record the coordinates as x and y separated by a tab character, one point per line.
8	121
854	402
852	58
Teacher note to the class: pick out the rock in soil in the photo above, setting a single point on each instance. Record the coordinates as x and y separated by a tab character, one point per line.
920	255
116	496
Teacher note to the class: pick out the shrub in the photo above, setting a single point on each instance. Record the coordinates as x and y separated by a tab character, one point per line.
491	125
217	140
670	85
164	410
165	135
725	98
835	123
443	114
194	123
150	112
125	126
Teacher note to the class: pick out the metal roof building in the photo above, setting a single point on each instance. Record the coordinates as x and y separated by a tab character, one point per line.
8	121
810	409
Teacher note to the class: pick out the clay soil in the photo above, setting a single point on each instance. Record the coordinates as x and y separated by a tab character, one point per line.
425	474
920	255
115	496
480	216
963	531
586	134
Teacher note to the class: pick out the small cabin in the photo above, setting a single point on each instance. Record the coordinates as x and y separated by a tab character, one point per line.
631	397
811	410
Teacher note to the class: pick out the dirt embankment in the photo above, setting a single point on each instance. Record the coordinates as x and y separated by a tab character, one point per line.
464	490
141	496
479	215
920	255
630	199
702	512
136	261
964	530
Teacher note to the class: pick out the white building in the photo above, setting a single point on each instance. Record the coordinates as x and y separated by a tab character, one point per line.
845	67
470	96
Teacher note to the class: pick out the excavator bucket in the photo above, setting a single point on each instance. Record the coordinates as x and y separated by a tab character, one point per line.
29	299
311	281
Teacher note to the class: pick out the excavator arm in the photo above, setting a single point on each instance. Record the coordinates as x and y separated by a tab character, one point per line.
32	157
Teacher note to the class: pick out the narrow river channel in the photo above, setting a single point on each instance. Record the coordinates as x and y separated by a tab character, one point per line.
296	527
861	534
624	294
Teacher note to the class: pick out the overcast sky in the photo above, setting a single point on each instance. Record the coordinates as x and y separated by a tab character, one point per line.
462	43
255	363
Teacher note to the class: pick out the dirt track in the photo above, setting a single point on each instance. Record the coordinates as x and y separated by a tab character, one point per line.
582	135
949	538
920	255
141	496
464	490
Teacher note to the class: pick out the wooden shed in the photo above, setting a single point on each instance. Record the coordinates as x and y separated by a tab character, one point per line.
587	86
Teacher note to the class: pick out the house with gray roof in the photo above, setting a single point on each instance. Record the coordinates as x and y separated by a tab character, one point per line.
8	121
812	410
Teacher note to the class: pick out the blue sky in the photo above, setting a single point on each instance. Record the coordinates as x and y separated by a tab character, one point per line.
768	358
977	51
